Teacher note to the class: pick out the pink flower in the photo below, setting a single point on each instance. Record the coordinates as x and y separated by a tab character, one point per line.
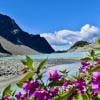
42	95
98	62
85	66
20	96
54	75
6	98
30	87
95	84
80	85
66	83
53	91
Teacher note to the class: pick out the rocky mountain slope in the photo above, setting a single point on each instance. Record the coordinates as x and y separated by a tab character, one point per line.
11	48
15	41
83	46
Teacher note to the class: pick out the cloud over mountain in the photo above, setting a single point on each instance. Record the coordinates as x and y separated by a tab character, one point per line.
68	37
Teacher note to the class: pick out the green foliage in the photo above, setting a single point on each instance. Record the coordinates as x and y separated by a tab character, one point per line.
92	53
86	59
98	41
97	54
97	68
62	96
28	76
81	97
92	56
7	91
41	65
56	83
28	62
19	84
97	97
64	73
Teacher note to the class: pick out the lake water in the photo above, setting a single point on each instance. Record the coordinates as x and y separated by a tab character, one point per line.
51	56
71	67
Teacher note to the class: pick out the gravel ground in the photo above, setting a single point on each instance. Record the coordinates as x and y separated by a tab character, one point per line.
9	69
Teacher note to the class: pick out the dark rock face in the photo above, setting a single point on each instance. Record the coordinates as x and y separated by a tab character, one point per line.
35	42
2	50
13	33
77	45
80	44
7	27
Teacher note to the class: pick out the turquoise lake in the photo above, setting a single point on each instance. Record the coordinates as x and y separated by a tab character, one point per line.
50	56
71	67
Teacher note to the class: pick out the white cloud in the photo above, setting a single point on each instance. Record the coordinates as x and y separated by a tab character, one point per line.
87	30
68	37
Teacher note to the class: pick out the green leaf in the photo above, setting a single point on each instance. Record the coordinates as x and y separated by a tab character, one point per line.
85	97
62	97
92	53
7	91
64	71
55	98
55	83
86	59
97	48
27	77
89	89
28	62
41	65
65	96
97	97
39	77
13	93
19	84
97	68
95	58
81	97
98	41
78	97
97	54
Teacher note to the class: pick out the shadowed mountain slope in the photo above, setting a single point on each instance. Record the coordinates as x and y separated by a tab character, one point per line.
11	32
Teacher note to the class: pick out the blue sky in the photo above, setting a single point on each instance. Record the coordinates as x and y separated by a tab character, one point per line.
62	20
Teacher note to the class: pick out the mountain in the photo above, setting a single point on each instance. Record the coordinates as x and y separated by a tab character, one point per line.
78	45
11	48
84	46
3	50
12	36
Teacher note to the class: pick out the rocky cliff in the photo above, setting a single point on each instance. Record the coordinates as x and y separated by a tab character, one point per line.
12	33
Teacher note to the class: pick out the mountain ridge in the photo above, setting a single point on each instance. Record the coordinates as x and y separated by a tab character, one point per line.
83	46
11	32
